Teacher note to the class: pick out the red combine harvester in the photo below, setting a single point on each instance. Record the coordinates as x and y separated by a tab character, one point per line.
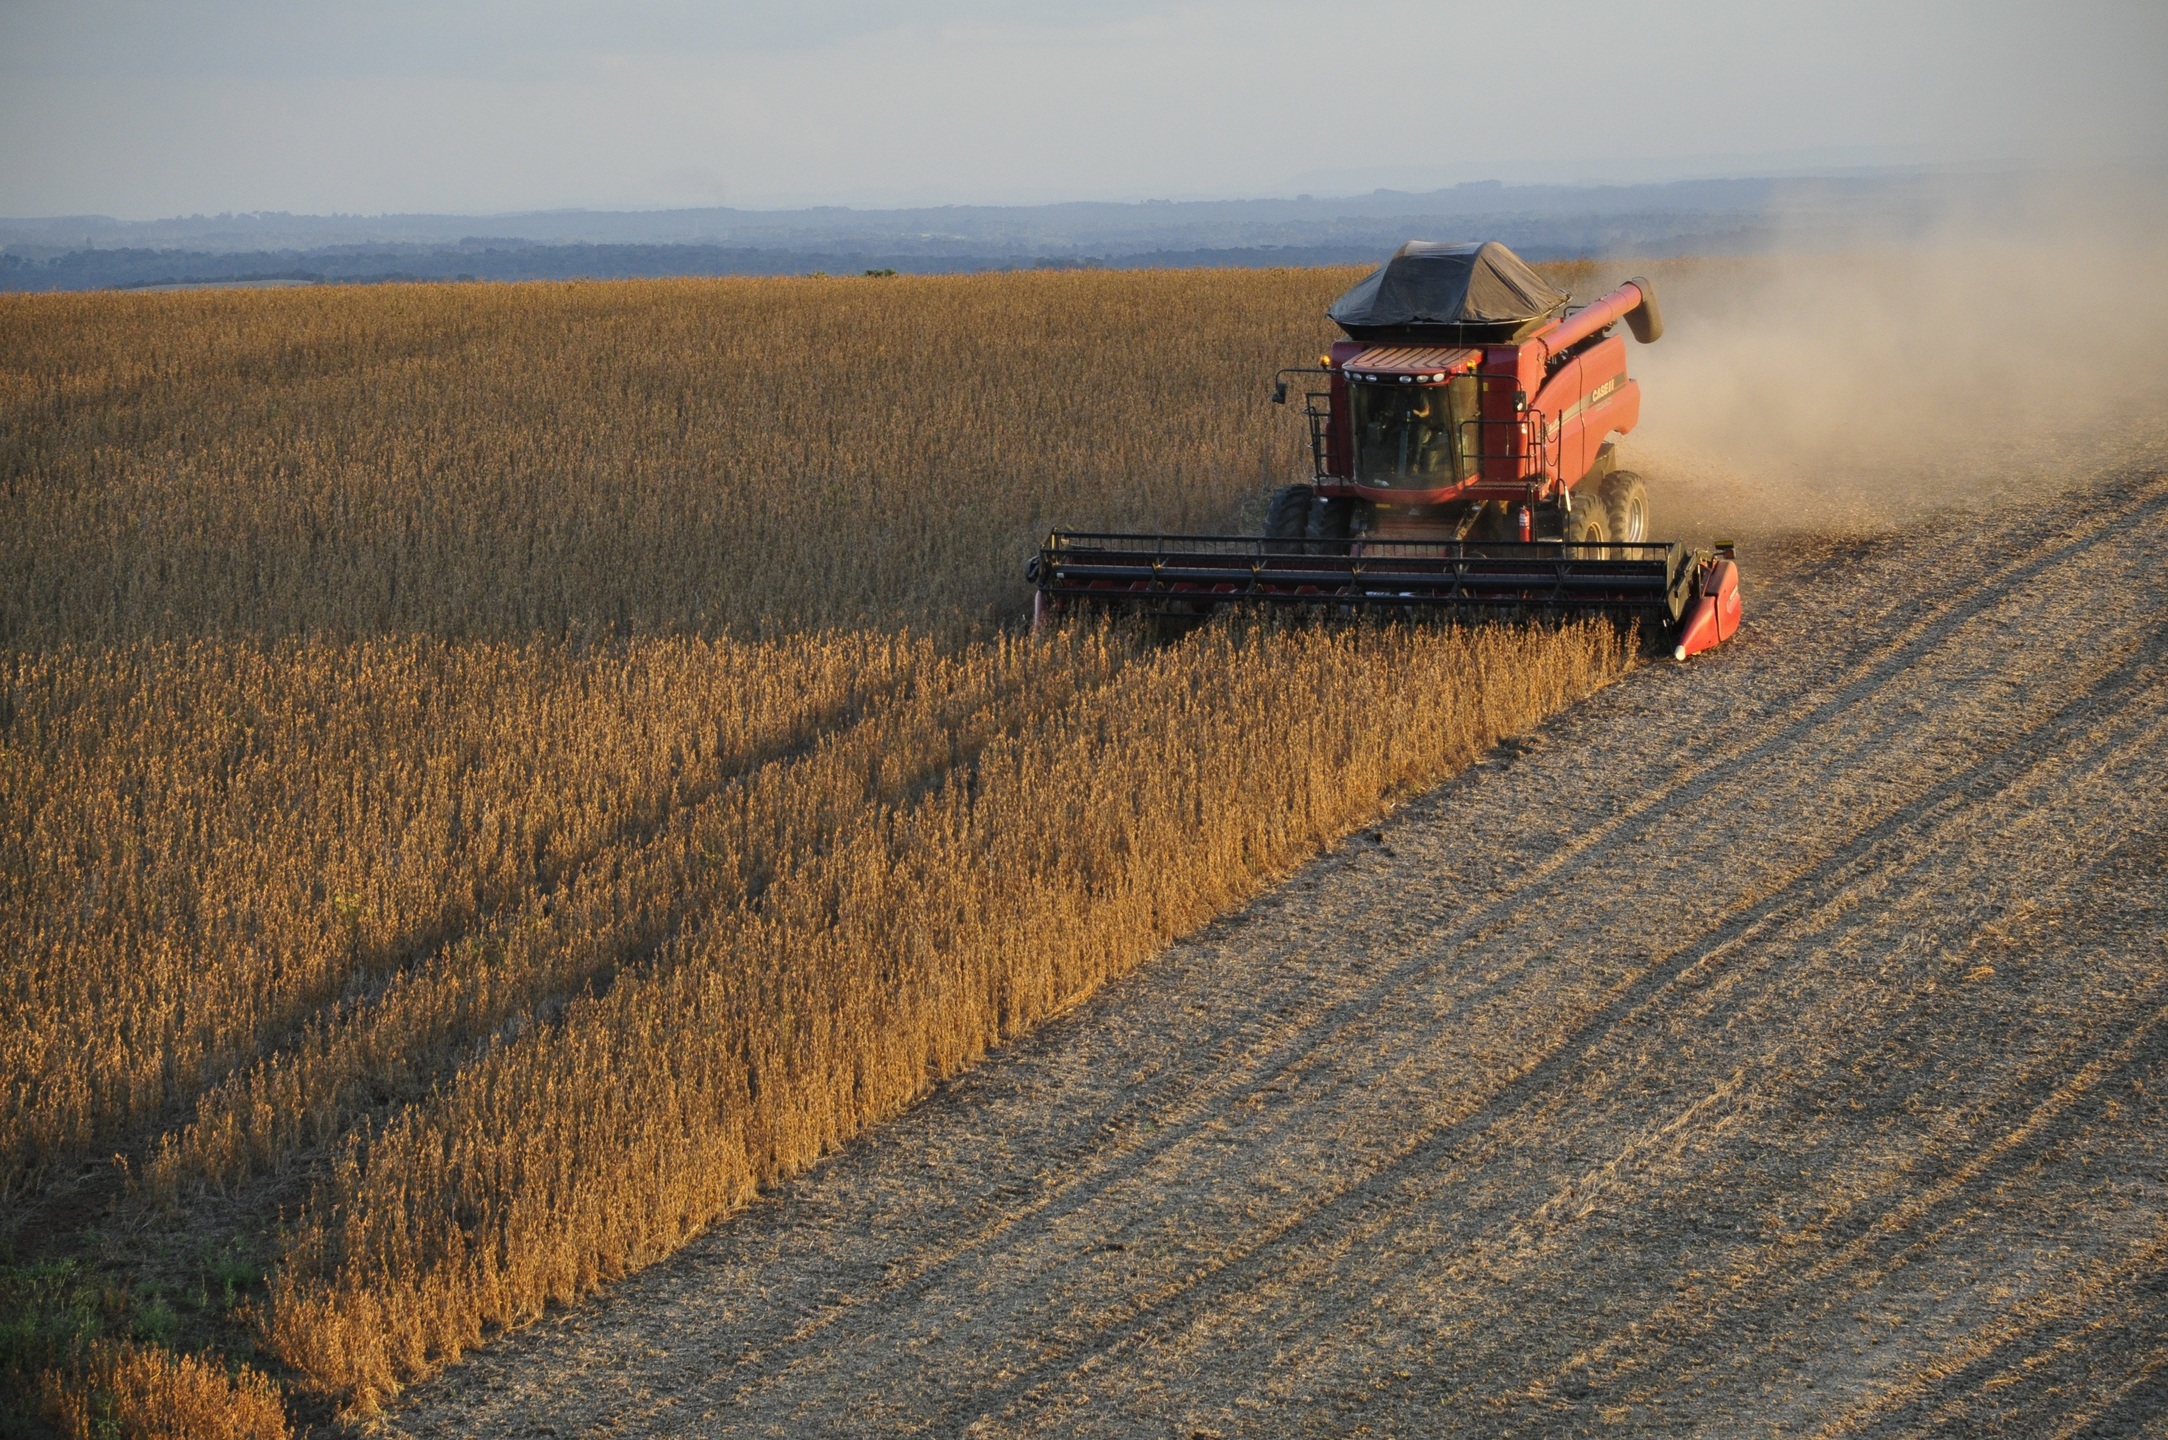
1462	457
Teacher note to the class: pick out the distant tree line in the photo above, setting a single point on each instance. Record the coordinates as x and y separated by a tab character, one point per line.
28	269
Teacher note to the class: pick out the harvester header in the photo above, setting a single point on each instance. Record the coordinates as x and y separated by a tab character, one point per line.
1462	455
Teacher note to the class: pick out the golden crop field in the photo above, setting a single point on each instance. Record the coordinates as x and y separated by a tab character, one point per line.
494	775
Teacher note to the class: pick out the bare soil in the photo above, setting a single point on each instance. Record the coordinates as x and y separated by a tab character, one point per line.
1777	1044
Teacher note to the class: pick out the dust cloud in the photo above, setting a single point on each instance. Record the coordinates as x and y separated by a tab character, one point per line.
1867	385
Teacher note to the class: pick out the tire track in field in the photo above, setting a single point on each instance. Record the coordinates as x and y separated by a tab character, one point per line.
1719	1105
1371	1204
1050	1203
2140	1050
1912	1210
1153	1219
1980	1368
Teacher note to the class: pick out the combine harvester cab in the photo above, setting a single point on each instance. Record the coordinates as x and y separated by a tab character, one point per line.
1462	458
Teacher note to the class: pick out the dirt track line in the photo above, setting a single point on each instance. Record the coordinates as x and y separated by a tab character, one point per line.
1828	878
1984	1164
2129	1313
2126	1411
1934	624
1302	1227
2025	1320
1914	1207
1698	782
1772	1280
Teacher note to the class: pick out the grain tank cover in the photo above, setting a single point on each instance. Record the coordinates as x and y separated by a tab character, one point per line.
1467	293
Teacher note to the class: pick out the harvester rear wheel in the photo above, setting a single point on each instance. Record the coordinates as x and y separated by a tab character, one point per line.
1626	506
1288	518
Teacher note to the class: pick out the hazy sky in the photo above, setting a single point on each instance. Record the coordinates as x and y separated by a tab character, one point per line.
150	108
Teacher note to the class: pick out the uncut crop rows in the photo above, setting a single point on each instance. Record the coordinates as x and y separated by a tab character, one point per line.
507	771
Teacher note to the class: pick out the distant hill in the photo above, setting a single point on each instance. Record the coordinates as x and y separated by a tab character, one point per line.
1541	221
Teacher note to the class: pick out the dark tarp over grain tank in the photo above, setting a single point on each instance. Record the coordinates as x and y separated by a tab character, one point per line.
1469	293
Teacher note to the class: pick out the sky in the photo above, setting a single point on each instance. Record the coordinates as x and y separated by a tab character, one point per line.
142	109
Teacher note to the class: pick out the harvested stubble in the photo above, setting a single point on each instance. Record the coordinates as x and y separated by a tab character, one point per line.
435	771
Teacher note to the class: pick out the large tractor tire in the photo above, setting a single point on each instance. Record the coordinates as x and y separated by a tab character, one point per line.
1332	520
1625	506
1288	517
1587	524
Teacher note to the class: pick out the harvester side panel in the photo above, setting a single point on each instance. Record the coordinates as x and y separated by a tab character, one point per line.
1562	420
1586	401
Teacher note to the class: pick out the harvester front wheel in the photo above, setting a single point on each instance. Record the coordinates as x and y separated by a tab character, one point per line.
1332	520
1288	517
1587	524
1626	506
